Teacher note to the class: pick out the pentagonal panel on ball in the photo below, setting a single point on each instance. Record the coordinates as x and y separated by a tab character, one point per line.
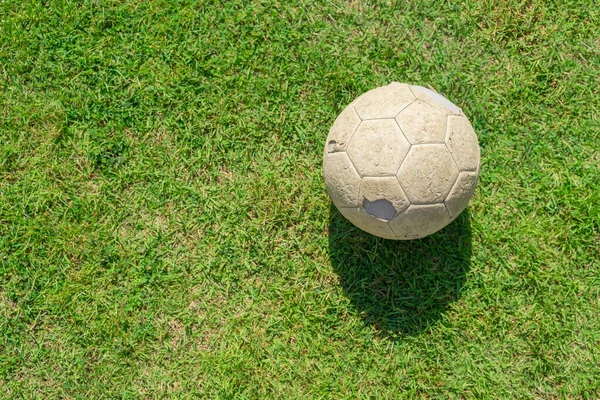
427	174
341	179
342	130
422	123
382	197
462	143
384	102
377	148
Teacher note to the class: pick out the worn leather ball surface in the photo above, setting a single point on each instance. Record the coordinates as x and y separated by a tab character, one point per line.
401	162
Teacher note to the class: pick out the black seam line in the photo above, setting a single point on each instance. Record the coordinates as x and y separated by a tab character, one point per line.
403	134
356	111
348	144
413	93
427	144
428	203
357	126
405	107
401	189
453	186
453	159
403	159
390	225
394	117
448	211
355	129
408	141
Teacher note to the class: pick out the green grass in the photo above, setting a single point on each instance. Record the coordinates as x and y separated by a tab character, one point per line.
165	230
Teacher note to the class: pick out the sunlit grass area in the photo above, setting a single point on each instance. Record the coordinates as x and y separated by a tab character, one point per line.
165	229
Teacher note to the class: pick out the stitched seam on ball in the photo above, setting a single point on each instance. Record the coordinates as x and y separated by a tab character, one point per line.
413	93
391	229
404	108
451	155
348	144
354	166
356	112
397	216
446	143
436	106
429	203
353	132
407	151
402	190
402	132
453	186
448	211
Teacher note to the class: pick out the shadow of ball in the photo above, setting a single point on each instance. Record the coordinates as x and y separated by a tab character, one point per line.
400	287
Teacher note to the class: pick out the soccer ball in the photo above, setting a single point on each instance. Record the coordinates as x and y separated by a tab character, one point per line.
401	162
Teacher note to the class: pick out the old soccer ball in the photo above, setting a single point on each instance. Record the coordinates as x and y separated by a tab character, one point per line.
401	162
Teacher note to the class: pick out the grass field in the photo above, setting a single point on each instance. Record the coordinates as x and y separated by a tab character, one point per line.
165	230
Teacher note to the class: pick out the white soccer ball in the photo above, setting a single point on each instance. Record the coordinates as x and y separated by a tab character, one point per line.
401	162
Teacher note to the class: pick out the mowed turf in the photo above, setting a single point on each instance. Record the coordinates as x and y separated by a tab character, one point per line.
165	230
